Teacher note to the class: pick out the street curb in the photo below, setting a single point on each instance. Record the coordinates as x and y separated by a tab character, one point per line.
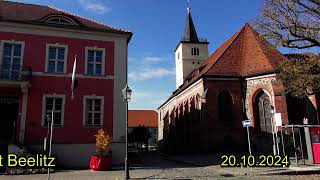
288	172
293	172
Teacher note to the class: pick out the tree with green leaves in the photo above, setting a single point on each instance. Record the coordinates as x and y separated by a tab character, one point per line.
300	75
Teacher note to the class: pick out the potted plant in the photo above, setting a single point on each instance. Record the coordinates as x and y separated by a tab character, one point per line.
101	161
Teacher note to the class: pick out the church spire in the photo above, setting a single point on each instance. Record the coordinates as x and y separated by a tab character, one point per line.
190	33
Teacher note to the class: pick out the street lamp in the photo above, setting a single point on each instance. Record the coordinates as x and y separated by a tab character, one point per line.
126	92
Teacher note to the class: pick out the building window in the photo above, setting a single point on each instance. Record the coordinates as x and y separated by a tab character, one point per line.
11	60
95	61
195	51
93	111
53	103
59	20
56	58
62	20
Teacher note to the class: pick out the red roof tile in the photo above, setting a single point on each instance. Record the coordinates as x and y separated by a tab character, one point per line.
146	118
248	54
31	13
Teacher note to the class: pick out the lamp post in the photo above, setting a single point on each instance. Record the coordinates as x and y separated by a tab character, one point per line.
126	92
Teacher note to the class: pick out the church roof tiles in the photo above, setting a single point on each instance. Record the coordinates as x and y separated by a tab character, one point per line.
244	54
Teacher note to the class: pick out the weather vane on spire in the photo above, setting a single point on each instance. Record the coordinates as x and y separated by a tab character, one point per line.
188	6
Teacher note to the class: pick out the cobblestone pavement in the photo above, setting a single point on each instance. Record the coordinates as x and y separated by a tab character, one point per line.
210	173
154	166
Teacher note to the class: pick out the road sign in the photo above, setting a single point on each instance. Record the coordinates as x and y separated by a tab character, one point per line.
278	119
246	123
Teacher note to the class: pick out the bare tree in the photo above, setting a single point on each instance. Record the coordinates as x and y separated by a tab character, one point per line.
290	23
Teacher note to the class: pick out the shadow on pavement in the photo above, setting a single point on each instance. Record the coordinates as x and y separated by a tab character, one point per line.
150	160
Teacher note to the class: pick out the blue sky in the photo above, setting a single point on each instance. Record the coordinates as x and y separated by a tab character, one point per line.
158	26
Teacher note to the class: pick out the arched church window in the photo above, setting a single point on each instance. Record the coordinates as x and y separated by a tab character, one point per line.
225	108
263	112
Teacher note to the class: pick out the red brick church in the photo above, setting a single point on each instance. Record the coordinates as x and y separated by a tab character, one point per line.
216	92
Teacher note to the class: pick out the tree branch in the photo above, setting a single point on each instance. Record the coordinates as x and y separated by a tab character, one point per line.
310	9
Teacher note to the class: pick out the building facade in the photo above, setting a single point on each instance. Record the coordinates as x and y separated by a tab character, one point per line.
38	46
236	82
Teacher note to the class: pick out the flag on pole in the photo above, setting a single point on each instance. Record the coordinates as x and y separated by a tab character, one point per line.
73	82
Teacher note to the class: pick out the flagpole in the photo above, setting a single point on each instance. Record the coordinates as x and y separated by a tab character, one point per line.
73	78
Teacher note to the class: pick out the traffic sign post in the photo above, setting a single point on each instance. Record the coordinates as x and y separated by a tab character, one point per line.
278	123
247	124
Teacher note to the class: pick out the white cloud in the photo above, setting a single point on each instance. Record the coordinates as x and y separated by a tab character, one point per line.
150	73
152	59
144	99
131	59
94	6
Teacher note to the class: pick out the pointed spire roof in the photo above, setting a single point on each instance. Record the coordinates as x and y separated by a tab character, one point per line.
190	33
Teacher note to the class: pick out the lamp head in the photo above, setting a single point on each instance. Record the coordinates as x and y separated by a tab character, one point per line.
126	92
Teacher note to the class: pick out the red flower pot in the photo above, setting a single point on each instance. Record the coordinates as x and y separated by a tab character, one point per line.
100	163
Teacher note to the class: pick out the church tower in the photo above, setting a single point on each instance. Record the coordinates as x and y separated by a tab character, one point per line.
190	52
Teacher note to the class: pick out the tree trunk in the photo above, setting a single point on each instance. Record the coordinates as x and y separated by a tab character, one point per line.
147	146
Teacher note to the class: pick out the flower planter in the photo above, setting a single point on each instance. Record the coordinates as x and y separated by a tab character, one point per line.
100	163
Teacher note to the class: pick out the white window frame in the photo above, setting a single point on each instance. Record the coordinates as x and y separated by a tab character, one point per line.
65	58
2	42
85	98
44	97
102	63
